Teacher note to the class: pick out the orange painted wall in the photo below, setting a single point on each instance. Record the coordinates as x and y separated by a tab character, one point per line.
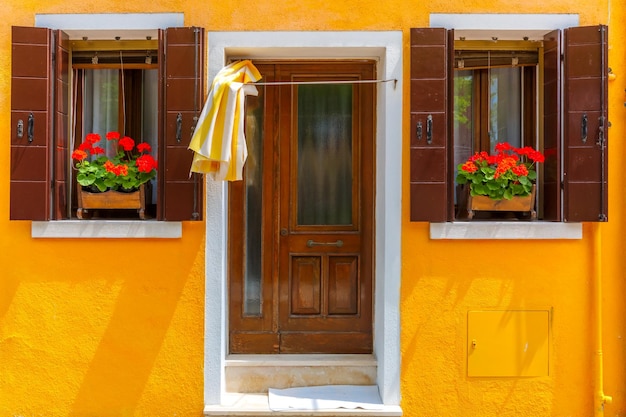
115	327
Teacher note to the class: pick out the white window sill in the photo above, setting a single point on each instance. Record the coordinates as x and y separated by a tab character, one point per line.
102	229
506	230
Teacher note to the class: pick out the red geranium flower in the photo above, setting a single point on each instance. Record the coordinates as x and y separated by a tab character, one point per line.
128	169
144	147
146	163
92	138
507	173
113	135
127	143
79	155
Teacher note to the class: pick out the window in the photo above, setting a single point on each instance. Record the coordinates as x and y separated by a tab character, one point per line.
146	88
470	95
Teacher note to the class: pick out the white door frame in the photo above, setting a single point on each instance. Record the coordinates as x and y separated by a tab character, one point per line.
386	48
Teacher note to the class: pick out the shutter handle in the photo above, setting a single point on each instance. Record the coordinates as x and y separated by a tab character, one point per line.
583	128
31	127
419	130
20	128
179	127
429	129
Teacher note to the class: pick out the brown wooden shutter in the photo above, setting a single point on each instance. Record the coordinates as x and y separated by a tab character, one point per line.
585	124
551	192
430	191
182	95
61	127
31	121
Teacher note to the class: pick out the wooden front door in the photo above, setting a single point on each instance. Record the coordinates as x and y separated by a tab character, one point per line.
301	221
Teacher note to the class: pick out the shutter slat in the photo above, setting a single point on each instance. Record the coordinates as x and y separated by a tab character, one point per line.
182	73
429	188
31	94
585	103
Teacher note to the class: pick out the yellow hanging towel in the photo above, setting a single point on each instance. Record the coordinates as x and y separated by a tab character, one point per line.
218	141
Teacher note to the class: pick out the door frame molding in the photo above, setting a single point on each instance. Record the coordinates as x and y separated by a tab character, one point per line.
386	48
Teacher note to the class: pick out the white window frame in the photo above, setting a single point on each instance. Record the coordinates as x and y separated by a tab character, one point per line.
504	26
107	26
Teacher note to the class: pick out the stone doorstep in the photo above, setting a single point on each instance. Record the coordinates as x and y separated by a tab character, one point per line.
308	368
256	373
249	405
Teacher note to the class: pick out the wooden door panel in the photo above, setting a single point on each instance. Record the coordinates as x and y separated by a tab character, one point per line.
332	242
306	285
254	342
316	274
343	285
325	342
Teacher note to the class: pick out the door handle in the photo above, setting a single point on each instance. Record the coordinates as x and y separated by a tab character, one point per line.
429	129
310	243
30	128
179	127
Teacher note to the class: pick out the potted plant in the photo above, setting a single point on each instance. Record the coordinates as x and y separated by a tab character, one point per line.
116	181
504	181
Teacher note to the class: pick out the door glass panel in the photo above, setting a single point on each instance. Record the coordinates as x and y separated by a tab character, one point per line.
324	171
253	202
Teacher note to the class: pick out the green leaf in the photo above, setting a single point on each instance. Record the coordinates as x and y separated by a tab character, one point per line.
492	185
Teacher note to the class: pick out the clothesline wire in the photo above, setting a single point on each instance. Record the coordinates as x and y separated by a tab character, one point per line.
395	81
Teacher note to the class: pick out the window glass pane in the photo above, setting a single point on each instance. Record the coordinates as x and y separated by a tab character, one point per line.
324	193
504	107
100	104
150	114
463	116
253	204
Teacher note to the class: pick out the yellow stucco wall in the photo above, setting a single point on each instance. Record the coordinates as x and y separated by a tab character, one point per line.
78	337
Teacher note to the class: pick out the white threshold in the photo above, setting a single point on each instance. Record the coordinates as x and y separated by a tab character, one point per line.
258	405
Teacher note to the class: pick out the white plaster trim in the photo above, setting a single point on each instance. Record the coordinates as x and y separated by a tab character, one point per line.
386	48
504	21
109	21
108	26
99	229
504	26
506	230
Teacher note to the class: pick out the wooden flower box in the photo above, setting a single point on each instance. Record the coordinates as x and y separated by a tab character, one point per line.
111	200
515	204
